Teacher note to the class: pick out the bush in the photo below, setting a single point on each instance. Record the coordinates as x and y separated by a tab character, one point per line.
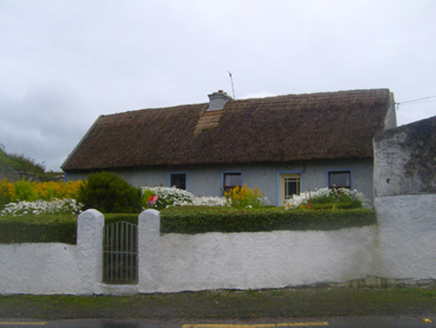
163	197
202	219
7	192
326	198
33	229
243	197
24	191
171	196
107	192
50	190
42	207
59	228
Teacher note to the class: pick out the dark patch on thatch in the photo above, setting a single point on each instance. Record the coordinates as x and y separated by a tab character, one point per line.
335	125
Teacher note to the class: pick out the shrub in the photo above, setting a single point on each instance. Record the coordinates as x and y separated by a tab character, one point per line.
31	191
7	192
41	207
107	192
60	190
166	197
195	219
59	228
243	197
24	191
326	198
171	196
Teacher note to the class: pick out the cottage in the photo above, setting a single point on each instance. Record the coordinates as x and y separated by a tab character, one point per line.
283	145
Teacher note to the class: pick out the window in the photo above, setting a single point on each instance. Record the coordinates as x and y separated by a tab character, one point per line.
178	180
231	180
290	185
340	179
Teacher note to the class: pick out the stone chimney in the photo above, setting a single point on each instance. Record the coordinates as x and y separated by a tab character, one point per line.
217	100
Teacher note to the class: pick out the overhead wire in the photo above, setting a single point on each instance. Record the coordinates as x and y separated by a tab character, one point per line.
412	100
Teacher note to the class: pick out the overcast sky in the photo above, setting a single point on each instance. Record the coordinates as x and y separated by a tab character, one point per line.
65	62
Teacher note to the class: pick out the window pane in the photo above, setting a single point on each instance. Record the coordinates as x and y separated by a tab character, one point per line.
232	180
178	181
340	179
292	186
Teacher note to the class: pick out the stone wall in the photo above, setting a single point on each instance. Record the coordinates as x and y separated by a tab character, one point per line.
405	200
405	160
13	175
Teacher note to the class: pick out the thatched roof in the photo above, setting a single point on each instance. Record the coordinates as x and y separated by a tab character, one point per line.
334	125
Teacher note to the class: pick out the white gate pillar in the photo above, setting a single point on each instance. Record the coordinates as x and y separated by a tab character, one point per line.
90	226
148	251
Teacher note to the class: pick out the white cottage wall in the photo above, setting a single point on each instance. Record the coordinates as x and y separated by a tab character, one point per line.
206	180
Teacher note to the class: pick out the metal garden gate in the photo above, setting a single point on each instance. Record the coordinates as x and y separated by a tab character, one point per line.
120	253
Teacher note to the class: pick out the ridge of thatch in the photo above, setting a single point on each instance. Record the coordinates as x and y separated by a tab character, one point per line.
335	125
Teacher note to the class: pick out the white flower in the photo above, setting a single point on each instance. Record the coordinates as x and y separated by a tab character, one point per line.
41	207
304	197
178	197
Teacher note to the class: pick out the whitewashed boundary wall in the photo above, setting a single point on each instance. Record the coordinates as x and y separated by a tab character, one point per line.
178	262
55	268
401	248
405	200
407	238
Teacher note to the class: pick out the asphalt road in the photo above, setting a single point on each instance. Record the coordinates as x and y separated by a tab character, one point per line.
360	322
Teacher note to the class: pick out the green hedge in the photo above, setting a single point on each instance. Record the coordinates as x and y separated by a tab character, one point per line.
188	220
48	229
192	220
38	229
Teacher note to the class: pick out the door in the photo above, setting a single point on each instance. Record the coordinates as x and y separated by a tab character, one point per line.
290	184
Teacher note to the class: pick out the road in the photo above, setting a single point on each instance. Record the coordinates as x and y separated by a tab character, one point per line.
363	322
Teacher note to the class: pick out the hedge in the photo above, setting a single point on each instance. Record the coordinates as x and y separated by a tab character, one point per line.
37	229
189	220
192	220
48	229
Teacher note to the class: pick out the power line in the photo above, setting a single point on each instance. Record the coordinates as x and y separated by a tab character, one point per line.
413	100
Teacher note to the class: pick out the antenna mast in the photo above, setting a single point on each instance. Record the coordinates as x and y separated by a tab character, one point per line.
233	88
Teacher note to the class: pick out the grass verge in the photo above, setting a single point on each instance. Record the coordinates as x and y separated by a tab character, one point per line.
225	304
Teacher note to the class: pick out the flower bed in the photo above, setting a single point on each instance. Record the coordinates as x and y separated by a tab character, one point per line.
167	197
325	198
39	207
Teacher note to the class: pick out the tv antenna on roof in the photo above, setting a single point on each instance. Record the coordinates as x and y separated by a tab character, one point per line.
233	88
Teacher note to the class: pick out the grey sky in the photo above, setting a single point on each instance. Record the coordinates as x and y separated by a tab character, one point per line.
65	62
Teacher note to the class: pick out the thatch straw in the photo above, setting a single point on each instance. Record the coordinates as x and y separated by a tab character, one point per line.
335	125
